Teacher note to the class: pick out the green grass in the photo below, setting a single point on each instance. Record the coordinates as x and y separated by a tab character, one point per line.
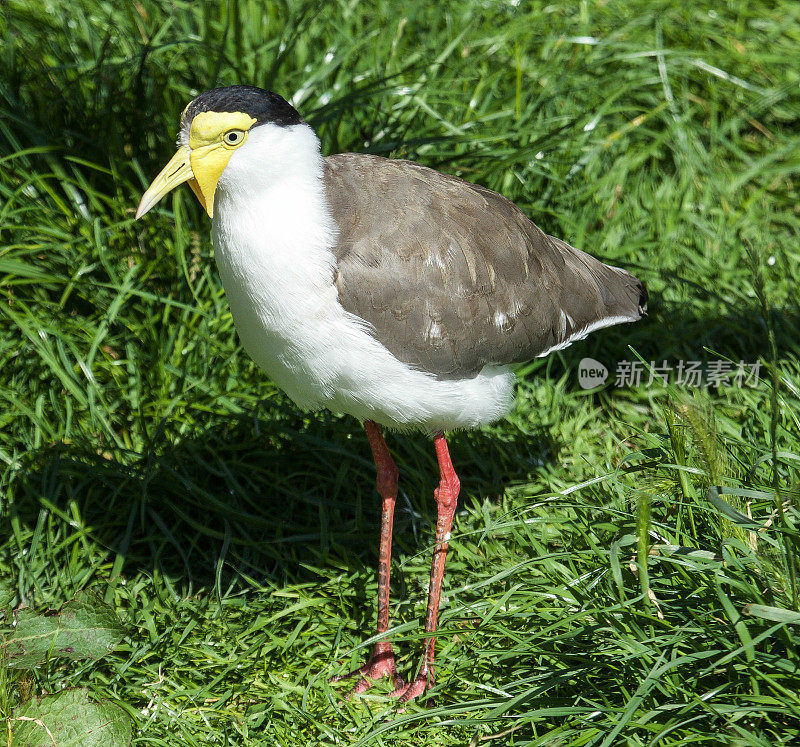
599	592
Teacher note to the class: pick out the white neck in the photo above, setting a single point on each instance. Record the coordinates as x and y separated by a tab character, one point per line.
273	238
273	231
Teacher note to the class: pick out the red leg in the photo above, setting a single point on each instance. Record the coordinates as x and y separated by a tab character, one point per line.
381	663
446	496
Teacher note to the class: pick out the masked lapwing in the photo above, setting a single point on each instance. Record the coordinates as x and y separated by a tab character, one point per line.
382	289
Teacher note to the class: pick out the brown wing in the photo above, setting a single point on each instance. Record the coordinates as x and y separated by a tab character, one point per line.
453	276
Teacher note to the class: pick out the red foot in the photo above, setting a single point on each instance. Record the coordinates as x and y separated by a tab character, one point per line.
380	664
414	688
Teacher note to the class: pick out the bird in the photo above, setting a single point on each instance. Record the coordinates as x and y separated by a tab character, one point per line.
385	290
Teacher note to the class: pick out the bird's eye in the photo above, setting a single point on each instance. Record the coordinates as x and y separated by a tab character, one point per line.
233	137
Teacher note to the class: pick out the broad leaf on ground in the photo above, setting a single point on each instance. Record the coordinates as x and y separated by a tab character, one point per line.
69	719
84	628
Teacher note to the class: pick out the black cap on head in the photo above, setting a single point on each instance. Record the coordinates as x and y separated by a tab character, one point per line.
264	106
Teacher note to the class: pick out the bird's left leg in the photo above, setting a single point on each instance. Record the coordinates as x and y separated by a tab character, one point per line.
381	663
446	498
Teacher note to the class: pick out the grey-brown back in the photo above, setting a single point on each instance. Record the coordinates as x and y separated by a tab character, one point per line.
453	276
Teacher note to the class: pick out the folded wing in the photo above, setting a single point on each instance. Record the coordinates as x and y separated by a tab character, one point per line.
452	277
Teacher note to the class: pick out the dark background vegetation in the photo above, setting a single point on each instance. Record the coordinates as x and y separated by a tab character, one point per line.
599	591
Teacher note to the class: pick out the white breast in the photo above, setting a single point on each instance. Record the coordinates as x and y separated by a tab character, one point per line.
272	237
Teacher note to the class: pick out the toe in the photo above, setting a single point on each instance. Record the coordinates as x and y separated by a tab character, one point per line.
414	689
361	671
360	687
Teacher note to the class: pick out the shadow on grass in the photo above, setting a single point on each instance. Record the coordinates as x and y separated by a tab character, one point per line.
271	497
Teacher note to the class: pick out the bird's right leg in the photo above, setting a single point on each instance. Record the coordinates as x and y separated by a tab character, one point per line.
382	662
446	498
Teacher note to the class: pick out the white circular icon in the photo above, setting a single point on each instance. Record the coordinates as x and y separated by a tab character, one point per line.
591	373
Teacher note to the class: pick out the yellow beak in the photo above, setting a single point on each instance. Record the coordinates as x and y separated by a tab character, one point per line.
177	171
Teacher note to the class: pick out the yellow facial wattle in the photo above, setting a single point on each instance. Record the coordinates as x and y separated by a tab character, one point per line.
213	136
210	152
